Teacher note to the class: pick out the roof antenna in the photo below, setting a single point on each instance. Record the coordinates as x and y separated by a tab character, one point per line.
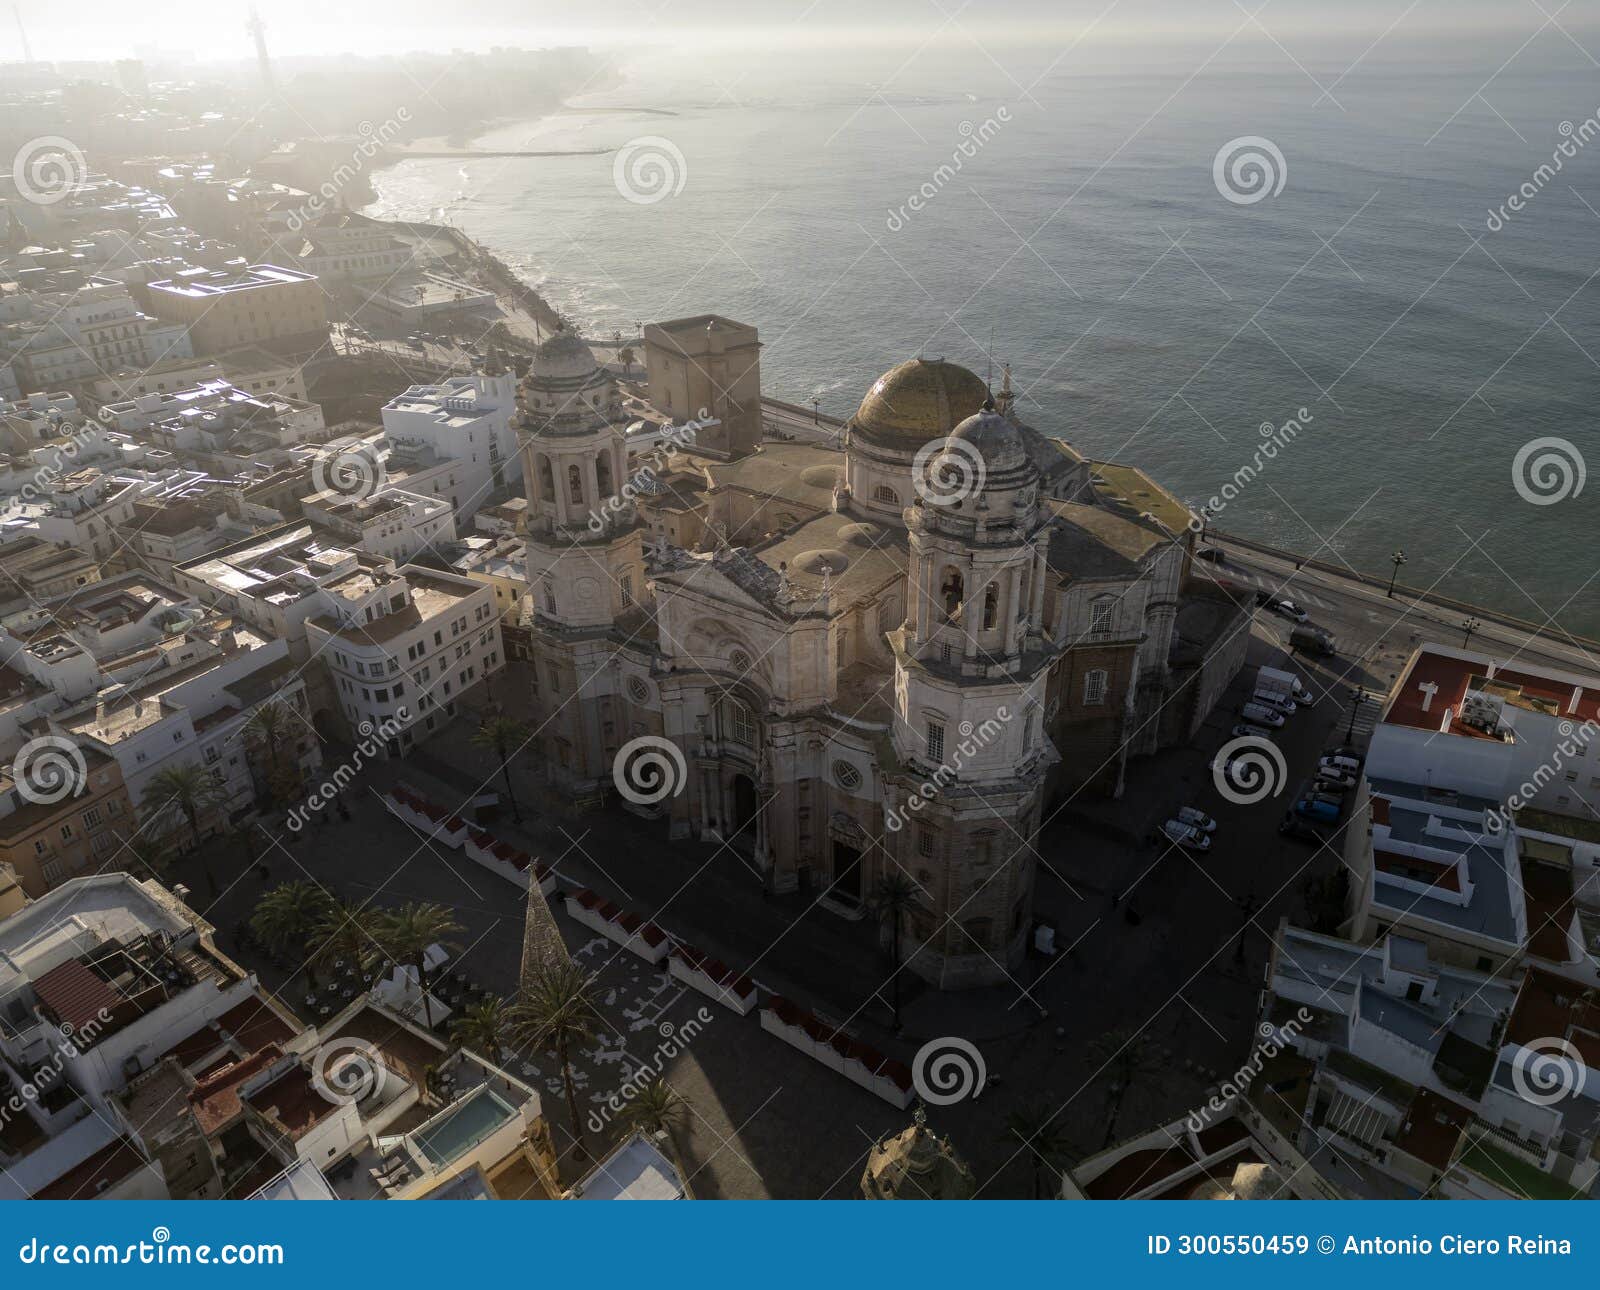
988	376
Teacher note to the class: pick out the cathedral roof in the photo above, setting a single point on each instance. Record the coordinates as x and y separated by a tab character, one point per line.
919	400
998	441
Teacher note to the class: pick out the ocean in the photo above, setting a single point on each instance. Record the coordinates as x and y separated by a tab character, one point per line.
1070	219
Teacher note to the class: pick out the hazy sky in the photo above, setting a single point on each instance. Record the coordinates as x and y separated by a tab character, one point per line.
65	29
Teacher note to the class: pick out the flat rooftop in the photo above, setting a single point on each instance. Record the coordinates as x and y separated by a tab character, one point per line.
1449	678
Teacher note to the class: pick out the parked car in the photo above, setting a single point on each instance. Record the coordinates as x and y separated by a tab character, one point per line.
1193	815
1333	775
1245	730
1282	702
1340	762
1186	835
1349	751
1301	830
1211	555
1288	609
1314	808
1313	641
1261	715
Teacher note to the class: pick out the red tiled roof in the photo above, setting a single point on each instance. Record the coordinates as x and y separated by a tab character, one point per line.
1547	1008
1451	676
215	1099
1432	1128
255	1024
1444	876
88	1178
1547	892
74	995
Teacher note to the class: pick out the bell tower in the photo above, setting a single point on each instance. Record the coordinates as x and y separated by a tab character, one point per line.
585	562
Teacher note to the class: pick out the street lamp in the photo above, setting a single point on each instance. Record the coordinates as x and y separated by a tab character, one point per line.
1468	627
1356	700
1205	519
1397	559
816	412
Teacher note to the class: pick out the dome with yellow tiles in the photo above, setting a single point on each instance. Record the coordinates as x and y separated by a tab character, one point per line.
919	400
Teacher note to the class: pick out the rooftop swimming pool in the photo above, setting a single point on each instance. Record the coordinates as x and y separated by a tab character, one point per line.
459	1128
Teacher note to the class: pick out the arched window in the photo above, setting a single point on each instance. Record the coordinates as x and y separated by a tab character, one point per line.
574	484
953	590
883	493
547	480
602	473
1094	685
991	606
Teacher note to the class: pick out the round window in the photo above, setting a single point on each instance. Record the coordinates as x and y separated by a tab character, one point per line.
846	775
638	690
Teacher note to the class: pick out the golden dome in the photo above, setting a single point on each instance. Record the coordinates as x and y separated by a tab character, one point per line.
918	400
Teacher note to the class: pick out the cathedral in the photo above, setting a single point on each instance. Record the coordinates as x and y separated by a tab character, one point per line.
892	657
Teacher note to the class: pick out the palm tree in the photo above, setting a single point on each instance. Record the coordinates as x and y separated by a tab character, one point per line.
406	934
483	1027
656	1109
626	357
894	897
556	1009
268	728
288	915
189	789
1127	1057
503	734
347	929
1039	1130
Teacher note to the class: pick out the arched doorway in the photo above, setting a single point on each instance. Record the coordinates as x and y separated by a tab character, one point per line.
745	805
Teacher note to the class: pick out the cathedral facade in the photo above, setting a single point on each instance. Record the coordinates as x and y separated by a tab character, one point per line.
886	662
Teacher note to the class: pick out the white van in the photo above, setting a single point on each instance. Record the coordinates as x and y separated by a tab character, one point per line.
1272	699
1261	714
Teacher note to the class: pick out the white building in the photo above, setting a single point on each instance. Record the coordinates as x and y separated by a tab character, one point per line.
102	979
62	338
392	523
466	421
405	646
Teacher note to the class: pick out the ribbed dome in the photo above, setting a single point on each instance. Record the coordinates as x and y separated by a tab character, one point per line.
919	400
996	439
563	360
